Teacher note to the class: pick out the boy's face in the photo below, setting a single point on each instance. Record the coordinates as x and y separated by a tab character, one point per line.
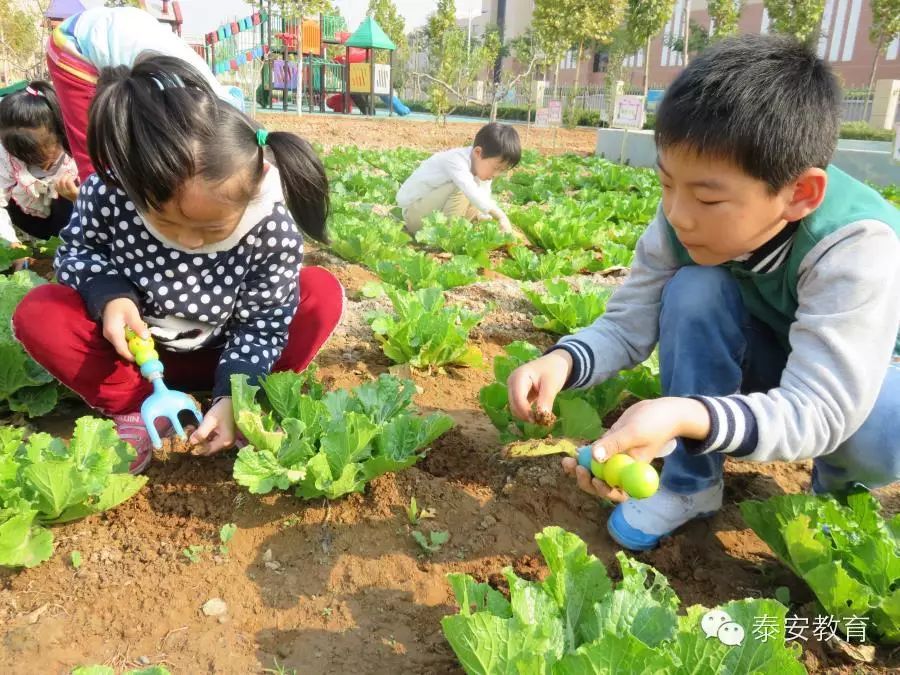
486	168
719	212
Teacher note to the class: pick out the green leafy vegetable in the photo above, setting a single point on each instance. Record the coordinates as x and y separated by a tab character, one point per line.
845	552
565	310
579	413
527	265
433	542
415	270
44	481
578	622
194	553
462	237
424	331
327	444
25	386
363	239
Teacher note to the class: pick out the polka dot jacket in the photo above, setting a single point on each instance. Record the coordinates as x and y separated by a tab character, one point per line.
239	295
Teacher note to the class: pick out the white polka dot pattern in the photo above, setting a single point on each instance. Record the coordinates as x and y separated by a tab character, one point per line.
242	299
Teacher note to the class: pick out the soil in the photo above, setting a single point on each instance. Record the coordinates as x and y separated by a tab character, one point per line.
388	134
342	587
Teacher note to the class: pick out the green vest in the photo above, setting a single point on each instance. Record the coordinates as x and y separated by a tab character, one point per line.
772	296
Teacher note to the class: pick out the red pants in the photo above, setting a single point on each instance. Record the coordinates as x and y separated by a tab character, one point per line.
75	97
53	326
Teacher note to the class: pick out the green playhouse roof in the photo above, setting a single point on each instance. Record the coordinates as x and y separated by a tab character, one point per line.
369	35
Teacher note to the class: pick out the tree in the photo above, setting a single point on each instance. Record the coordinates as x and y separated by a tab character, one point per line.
122	3
585	22
724	16
445	49
885	28
800	18
22	36
553	34
386	14
643	20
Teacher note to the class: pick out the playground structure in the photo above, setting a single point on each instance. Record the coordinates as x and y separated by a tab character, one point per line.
278	58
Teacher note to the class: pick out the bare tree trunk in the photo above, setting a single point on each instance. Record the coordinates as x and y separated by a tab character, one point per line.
870	91
687	30
575	85
647	67
555	82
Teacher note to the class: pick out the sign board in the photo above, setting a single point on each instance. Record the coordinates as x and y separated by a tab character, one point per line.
628	112
896	153
654	98
555	112
542	118
382	79
360	78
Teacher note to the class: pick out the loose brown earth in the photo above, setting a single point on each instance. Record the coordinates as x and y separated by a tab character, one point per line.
341	587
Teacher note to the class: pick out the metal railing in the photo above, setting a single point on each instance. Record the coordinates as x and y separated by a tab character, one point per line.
854	108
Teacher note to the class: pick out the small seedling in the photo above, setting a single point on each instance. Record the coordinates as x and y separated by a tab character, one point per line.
412	511
280	670
326	612
225	534
434	542
193	553
76	559
415	515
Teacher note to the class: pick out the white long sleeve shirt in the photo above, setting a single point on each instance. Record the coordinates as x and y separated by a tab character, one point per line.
451	166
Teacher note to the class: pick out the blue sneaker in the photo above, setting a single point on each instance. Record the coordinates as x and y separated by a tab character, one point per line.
639	524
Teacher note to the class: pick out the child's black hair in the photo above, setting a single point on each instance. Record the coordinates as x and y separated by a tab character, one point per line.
765	102
156	125
35	107
499	140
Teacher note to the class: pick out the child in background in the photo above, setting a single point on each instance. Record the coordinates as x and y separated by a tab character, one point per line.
771	281
106	37
190	225
38	178
458	182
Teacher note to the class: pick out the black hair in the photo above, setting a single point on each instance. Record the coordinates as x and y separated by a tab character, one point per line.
765	102
499	140
155	125
35	107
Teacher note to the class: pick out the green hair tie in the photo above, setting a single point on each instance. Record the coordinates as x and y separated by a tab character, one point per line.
262	137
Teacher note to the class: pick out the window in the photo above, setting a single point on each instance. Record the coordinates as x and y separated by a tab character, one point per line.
601	61
568	62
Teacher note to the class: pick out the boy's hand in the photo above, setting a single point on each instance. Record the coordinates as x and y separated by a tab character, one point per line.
217	431
538	382
503	221
67	187
645	431
118	315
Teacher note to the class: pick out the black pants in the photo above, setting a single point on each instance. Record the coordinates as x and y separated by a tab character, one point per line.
42	228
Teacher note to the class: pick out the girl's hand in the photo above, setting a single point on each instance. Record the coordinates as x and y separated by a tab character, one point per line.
538	382
67	187
217	431
644	431
118	315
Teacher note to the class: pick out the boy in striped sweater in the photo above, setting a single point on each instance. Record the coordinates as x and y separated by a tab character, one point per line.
769	280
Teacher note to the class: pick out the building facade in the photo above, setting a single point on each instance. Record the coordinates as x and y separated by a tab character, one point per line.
844	41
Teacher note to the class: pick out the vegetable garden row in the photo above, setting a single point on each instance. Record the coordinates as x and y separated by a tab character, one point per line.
582	218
